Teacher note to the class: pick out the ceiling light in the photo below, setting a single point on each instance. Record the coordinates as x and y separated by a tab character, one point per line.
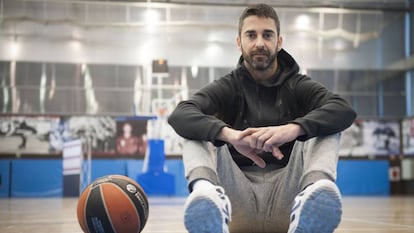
152	18
14	48
302	22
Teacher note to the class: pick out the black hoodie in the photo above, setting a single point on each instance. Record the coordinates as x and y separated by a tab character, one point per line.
238	101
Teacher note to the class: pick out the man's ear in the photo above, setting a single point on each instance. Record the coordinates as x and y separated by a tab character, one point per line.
238	40
279	43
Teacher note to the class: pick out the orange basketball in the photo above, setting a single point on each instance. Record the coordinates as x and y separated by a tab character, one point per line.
113	203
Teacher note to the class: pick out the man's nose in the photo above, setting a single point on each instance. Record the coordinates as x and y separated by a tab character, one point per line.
260	42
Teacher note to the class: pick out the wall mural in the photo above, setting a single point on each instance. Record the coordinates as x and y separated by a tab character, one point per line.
106	136
98	132
20	134
128	136
408	136
367	137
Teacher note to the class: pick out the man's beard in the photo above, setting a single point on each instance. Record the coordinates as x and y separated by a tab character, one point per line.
262	65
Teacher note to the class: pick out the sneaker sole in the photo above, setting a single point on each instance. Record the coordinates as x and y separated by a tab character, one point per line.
203	216
323	203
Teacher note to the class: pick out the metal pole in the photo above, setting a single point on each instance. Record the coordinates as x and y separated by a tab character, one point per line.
14	100
408	73
89	174
380	98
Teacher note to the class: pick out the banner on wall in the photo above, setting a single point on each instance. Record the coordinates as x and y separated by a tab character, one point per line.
382	137
25	134
408	136
72	158
352	140
158	128
128	136
131	137
371	138
107	136
96	131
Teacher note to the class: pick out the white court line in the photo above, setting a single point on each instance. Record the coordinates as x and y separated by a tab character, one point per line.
379	223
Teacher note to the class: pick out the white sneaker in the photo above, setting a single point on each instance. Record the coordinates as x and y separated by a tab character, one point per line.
317	209
207	211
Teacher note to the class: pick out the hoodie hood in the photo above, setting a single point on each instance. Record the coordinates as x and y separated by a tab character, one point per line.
287	67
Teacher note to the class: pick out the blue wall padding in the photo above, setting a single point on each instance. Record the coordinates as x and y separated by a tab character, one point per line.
104	167
156	158
36	178
43	177
155	180
176	167
134	167
5	177
363	177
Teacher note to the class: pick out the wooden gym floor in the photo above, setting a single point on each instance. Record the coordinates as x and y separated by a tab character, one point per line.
58	215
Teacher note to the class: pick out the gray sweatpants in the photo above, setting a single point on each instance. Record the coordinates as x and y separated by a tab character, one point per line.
261	199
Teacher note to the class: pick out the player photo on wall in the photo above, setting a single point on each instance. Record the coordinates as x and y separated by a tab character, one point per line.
131	137
382	137
368	137
408	136
25	134
352	140
96	132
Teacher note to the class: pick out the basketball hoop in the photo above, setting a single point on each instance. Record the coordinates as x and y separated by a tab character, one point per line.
162	112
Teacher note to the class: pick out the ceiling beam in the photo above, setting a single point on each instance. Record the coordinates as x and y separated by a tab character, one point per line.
355	6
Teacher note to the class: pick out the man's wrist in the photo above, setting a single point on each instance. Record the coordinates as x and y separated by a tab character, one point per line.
299	130
224	134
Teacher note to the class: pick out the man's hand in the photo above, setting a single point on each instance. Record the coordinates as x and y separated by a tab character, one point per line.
241	144
270	138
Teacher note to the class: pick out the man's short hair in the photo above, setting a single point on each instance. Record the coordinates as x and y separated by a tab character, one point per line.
261	11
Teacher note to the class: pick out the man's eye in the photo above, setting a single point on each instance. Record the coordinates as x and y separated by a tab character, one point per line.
251	35
268	35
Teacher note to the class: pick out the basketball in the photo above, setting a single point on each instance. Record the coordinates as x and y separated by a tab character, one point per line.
113	203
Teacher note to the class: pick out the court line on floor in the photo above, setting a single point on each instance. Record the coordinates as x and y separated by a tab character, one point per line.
379	223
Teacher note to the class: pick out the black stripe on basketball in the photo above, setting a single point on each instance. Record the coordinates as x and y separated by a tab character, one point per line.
96	216
137	196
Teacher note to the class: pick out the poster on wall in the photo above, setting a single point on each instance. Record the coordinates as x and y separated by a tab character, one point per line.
371	138
131	136
105	136
158	128
25	134
382	137
96	132
408	136
352	140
